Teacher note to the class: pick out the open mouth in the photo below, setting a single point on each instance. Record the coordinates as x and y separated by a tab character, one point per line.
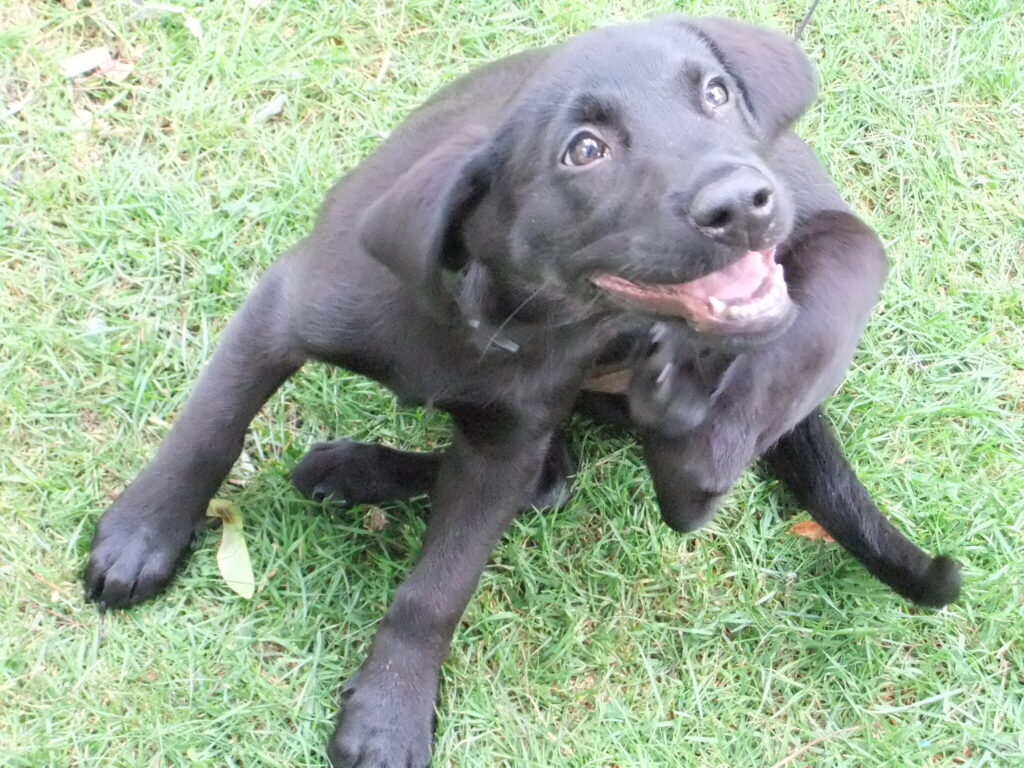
750	294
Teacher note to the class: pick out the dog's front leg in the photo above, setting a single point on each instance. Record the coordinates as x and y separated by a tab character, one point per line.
143	536
388	705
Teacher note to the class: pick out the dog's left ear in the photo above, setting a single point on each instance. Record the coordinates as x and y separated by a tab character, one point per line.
412	228
776	76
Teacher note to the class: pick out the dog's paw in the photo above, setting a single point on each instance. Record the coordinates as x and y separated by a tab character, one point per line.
135	553
693	473
718	452
555	484
349	472
667	394
330	470
686	509
940	584
381	729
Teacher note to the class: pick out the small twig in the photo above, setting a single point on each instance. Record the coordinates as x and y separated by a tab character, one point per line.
63	618
811	744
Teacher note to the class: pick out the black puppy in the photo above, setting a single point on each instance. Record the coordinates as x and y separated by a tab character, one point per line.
533	220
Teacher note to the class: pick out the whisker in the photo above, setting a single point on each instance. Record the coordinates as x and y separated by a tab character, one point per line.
508	318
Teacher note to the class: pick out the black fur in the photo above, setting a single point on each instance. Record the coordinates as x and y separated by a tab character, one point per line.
839	502
454	265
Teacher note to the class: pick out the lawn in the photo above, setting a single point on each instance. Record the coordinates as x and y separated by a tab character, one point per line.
136	210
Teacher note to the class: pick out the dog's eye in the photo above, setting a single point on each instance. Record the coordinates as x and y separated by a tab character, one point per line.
715	93
585	149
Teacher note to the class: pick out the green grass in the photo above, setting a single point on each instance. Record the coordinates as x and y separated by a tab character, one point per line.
598	637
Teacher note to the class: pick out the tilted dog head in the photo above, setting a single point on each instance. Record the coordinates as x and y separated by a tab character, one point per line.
630	172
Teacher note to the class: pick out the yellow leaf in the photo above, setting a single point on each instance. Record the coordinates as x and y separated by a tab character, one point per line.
232	554
811	530
225	511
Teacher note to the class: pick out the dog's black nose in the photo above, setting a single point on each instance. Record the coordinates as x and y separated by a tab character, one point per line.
735	209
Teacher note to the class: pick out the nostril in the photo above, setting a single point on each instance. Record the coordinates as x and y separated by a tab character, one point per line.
761	197
717	218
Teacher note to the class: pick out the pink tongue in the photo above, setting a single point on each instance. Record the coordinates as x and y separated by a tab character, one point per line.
737	288
737	281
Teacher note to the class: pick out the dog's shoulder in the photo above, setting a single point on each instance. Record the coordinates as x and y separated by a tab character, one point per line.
483	93
479	98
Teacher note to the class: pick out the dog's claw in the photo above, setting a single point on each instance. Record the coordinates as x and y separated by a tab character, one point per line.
347	473
139	544
667	393
657	335
662	391
130	565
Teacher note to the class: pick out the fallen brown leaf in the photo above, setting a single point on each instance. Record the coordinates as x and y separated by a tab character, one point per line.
375	519
811	530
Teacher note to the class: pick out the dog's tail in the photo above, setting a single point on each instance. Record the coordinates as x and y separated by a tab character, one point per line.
810	461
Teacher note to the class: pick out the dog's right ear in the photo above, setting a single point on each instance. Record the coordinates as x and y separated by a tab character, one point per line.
776	76
412	228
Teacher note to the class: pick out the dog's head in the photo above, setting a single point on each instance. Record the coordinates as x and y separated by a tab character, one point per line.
630	173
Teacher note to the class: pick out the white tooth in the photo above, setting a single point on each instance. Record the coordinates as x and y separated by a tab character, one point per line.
717	305
742	312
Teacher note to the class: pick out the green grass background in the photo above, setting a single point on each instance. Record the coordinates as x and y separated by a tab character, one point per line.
598	637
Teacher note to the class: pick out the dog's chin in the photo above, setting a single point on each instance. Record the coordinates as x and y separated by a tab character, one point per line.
745	302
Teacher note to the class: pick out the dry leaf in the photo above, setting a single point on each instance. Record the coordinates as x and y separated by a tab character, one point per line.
811	530
271	109
15	107
232	554
84	62
375	519
82	120
156	10
192	25
116	71
243	471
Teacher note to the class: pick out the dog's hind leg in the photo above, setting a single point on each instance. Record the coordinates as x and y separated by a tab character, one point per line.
351	472
810	461
702	425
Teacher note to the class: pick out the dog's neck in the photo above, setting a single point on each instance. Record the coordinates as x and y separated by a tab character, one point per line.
525	326
502	319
